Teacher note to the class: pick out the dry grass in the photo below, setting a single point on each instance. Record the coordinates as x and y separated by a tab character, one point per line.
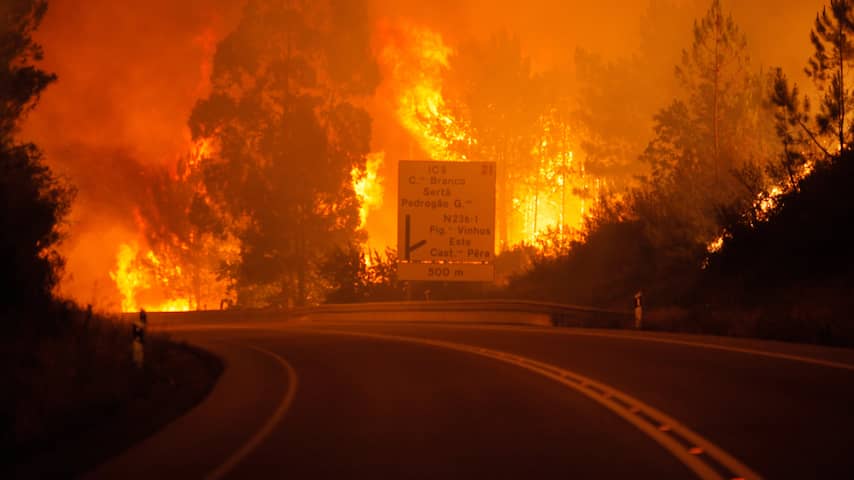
820	317
72	382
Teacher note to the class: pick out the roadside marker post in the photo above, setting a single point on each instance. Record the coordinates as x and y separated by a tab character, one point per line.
139	338
639	310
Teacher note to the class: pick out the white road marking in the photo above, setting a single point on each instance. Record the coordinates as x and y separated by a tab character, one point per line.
549	331
647	338
265	430
618	402
712	346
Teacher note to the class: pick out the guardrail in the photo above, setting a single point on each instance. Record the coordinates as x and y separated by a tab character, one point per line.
540	313
457	311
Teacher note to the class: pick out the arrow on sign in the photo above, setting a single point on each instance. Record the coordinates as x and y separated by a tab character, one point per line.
410	248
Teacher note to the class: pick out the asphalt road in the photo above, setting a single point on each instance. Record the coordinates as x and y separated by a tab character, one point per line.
465	401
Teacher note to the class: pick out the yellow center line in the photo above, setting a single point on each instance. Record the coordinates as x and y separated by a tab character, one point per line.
695	457
711	346
646	338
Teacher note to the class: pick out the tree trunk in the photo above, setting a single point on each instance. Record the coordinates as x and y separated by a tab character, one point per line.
537	196
715	98
841	98
501	203
302	262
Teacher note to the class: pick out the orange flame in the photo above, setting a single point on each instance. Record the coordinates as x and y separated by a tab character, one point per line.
368	186
133	280
416	59
182	279
766	201
545	199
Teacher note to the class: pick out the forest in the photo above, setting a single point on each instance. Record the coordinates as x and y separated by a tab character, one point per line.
698	175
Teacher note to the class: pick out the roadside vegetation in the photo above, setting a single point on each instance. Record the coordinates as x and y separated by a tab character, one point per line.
741	226
76	397
71	391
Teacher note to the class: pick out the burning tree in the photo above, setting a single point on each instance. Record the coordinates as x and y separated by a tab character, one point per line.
491	85
287	136
482	101
712	143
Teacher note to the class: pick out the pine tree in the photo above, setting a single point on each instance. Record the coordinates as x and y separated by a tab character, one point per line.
711	143
714	73
834	52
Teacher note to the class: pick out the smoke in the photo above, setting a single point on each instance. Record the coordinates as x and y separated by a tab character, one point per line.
131	71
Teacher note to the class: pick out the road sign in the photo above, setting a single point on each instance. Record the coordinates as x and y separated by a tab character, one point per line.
446	272
446	216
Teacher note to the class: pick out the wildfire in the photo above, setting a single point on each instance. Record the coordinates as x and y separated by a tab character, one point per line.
199	151
128	279
551	199
416	59
368	186
135	281
175	274
766	201
545	192
542	198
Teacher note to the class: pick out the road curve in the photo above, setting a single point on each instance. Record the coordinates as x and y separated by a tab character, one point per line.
428	400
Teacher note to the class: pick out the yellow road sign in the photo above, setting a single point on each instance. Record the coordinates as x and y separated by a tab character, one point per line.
446	213
446	272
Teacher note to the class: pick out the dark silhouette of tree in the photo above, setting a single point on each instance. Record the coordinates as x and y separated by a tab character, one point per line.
834	51
346	272
798	260
355	275
830	129
288	134
792	117
35	201
712	142
714	74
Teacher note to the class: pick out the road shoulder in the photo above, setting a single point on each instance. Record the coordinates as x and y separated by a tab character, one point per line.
184	378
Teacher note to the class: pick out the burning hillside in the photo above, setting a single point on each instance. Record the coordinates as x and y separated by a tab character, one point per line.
172	219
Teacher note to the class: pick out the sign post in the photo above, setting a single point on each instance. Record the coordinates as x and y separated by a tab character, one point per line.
446	221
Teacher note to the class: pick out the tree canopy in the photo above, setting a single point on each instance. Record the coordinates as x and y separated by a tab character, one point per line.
833	47
35	200
288	131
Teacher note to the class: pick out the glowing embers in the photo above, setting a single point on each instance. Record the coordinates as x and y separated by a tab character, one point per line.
200	150
715	245
765	203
